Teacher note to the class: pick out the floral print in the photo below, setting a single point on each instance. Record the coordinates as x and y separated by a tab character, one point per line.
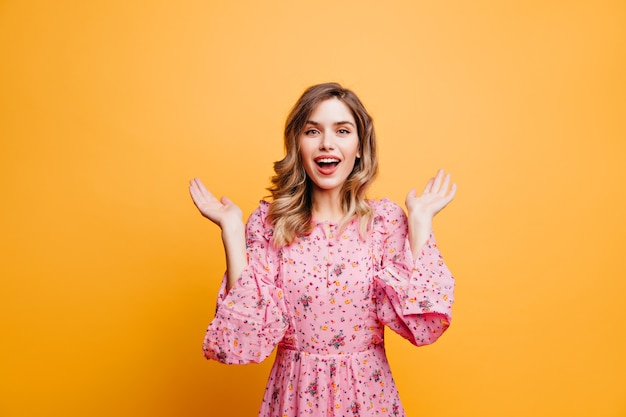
337	340
324	301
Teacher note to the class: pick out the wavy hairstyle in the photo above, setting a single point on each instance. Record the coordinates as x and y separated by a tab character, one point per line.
290	209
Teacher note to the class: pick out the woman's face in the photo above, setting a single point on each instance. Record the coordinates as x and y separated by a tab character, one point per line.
329	146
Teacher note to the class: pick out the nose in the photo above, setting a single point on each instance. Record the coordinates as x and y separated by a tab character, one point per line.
327	141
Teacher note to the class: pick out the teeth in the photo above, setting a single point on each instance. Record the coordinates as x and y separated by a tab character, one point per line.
327	161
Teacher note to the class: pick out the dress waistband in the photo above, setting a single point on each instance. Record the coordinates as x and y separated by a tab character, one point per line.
290	349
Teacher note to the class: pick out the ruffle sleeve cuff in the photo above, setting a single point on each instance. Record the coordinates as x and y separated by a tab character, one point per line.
415	296
428	287
248	324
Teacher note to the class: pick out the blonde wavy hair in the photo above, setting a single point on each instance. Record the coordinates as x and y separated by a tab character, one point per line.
290	209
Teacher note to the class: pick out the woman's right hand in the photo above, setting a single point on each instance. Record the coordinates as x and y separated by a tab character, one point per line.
228	217
222	212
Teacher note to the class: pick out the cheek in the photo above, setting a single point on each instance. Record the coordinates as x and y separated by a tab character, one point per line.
357	149
305	158
305	148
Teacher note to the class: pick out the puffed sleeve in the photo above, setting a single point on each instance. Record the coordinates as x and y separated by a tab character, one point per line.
413	296
249	320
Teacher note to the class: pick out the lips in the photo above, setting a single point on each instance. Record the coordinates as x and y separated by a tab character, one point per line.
326	165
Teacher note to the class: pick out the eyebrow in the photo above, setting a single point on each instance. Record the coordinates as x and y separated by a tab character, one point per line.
343	122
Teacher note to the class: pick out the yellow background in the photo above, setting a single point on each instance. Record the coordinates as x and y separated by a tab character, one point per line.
109	275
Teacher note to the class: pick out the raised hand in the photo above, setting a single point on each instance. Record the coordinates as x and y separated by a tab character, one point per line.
221	212
228	217
436	195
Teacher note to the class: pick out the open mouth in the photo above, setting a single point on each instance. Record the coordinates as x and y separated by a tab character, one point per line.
327	162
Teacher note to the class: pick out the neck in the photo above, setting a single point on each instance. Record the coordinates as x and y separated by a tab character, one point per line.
326	206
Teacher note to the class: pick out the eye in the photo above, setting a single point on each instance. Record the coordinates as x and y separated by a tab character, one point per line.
343	131
311	132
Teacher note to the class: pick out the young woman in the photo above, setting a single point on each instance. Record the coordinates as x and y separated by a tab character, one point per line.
320	270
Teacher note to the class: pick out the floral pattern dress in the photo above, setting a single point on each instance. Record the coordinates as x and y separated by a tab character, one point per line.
324	301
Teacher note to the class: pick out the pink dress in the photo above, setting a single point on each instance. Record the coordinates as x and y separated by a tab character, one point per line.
324	301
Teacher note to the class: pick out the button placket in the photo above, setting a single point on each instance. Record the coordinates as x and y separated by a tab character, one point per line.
330	253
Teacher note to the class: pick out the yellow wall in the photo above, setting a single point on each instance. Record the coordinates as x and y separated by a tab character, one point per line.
108	274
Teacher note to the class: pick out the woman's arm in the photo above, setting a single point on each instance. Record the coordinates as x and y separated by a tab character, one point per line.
228	217
413	293
422	209
250	318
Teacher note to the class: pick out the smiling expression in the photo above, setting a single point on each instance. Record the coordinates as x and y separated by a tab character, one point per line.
329	146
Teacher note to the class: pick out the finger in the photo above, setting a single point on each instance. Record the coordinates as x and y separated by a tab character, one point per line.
429	186
410	196
196	182
202	188
200	195
203	191
194	188
446	184
437	182
196	195
451	194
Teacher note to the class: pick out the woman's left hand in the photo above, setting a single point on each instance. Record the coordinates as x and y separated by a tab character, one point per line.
436	195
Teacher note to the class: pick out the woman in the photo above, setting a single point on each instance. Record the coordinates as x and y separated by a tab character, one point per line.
319	271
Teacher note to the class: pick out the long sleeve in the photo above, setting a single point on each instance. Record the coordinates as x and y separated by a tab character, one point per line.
413	296
249	319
